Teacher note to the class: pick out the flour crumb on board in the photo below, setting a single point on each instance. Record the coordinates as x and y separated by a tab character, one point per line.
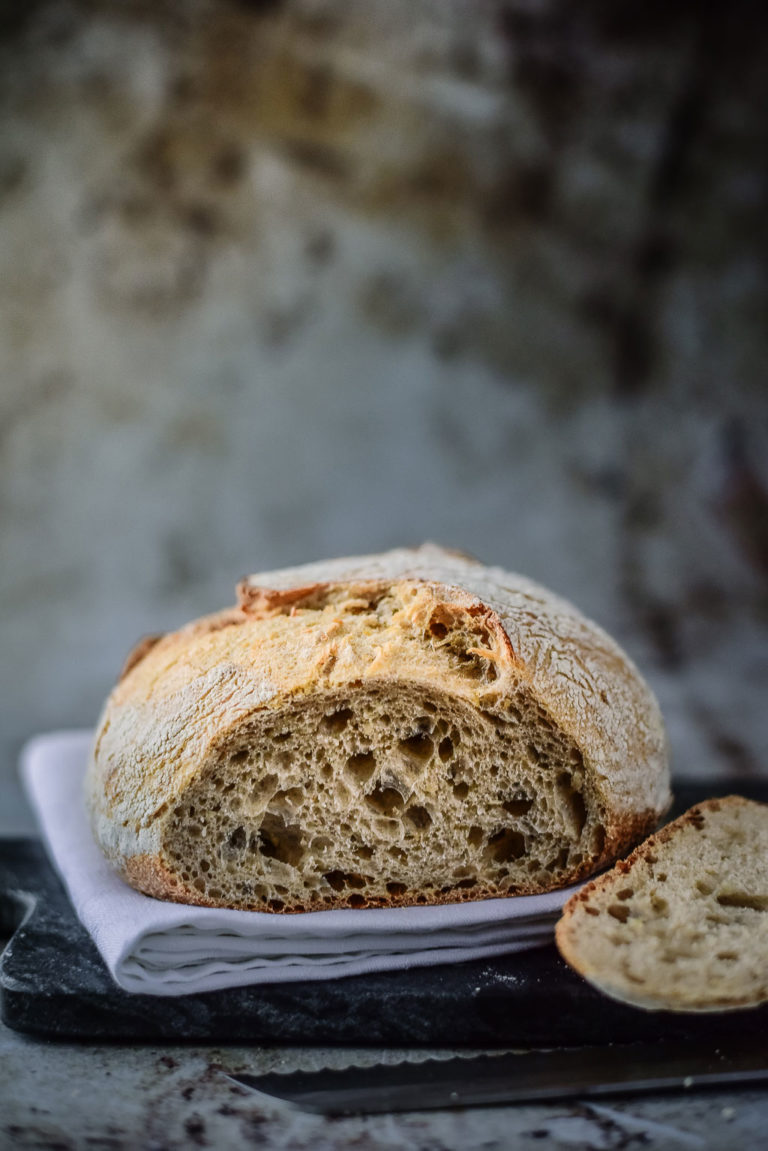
491	978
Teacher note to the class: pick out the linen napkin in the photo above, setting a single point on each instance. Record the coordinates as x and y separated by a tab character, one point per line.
157	948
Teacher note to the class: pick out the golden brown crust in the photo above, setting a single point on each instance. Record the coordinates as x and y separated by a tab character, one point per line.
261	601
623	832
148	874
137	653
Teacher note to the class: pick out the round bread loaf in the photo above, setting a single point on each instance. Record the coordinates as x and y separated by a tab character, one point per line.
411	727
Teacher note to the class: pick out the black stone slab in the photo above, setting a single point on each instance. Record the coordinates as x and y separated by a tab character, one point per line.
54	984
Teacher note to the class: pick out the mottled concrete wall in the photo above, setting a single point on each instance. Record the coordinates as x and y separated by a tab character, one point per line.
286	280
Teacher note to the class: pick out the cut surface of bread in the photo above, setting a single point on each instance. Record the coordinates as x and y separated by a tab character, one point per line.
682	924
388	730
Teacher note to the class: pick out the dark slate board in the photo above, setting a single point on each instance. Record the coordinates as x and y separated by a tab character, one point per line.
54	984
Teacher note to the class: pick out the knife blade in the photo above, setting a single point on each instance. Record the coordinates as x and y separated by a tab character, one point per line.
522	1077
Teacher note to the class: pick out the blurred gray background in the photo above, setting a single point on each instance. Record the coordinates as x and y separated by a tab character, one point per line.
289	280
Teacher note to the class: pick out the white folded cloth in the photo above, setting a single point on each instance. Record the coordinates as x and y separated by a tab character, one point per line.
157	948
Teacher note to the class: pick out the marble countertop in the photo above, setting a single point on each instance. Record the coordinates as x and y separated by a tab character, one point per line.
64	1095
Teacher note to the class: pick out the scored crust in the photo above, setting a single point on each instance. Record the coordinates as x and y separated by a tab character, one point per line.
553	751
681	924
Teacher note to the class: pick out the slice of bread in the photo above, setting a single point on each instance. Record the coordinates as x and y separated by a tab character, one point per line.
682	923
412	727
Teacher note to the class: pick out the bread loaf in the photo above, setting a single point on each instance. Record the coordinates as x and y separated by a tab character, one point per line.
412	727
682	924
